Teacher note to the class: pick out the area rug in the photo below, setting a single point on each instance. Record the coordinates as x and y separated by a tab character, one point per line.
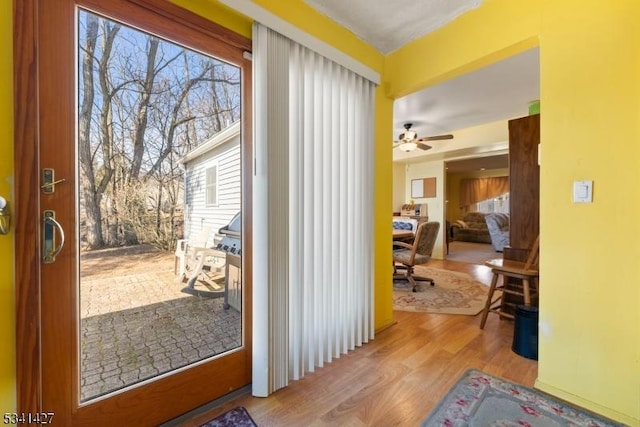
479	399
236	417
453	293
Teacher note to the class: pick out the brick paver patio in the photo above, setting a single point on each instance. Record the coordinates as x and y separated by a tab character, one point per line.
136	323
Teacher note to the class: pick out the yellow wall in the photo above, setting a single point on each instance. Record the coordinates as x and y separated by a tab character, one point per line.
219	13
590	129
7	323
399	192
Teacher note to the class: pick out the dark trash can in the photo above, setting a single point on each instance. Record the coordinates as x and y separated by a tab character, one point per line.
525	332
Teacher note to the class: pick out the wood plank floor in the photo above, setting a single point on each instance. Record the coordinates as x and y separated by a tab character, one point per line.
396	379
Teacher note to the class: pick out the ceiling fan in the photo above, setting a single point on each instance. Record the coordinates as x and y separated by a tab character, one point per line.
408	140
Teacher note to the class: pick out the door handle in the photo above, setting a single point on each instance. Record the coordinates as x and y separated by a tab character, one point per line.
5	216
49	248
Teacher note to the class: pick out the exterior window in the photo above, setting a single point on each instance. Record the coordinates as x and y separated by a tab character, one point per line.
212	185
498	204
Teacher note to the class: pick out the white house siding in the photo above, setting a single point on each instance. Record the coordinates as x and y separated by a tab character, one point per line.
197	213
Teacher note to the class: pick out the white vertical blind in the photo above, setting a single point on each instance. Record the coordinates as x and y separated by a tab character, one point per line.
313	276
270	212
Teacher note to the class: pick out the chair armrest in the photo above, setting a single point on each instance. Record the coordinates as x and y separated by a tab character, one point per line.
460	224
181	247
402	244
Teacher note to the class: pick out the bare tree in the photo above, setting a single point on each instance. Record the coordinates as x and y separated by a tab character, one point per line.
107	139
87	179
144	104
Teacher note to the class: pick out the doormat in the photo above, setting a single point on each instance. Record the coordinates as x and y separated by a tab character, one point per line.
479	399
236	417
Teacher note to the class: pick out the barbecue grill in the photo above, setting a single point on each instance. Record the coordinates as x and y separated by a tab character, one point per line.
231	237
225	255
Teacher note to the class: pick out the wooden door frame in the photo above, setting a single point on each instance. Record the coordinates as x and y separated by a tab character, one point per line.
29	383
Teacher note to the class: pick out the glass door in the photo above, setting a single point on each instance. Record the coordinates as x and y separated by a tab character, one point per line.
145	293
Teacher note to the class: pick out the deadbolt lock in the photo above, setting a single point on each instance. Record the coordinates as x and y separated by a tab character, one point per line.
48	181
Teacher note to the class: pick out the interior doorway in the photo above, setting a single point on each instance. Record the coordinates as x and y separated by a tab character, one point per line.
467	232
475	108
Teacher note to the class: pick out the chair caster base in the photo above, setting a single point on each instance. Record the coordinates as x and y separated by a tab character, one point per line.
416	286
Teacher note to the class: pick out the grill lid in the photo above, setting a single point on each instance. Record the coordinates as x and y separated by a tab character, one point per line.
231	237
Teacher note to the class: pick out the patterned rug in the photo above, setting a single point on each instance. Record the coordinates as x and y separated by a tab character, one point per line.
236	417
479	399
453	293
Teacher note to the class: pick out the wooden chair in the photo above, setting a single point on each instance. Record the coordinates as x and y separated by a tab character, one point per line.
406	256
526	288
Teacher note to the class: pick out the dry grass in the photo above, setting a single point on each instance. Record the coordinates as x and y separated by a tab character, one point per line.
124	260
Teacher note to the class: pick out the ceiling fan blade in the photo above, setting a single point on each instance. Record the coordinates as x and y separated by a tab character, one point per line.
423	146
436	137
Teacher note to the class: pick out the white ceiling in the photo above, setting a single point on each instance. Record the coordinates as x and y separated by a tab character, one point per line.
498	92
389	24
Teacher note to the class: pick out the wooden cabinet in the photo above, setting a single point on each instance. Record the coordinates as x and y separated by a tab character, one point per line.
524	186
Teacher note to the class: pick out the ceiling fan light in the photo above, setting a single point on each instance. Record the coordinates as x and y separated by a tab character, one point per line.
408	146
409	135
